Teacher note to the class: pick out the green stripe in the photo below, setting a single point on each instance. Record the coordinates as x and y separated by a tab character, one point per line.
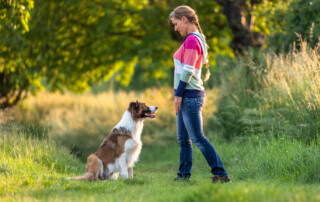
194	84
186	76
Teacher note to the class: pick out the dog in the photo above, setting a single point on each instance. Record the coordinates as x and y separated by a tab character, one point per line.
121	149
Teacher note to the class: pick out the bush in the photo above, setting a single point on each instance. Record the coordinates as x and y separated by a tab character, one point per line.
273	95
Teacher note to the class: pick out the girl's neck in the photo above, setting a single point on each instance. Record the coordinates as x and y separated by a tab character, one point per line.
192	28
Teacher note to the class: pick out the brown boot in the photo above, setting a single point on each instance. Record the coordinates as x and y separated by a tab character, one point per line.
221	179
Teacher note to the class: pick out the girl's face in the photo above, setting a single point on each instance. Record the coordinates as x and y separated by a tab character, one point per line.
180	25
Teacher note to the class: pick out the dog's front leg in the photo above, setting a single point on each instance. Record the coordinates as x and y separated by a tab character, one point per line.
123	166
130	172
113	176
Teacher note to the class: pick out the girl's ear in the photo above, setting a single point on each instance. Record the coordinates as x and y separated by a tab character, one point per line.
184	19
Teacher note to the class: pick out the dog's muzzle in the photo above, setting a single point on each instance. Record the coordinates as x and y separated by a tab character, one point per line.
151	112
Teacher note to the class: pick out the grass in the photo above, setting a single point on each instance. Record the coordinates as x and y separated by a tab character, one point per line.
276	170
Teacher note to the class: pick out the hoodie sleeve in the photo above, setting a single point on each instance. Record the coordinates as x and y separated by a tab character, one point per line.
191	54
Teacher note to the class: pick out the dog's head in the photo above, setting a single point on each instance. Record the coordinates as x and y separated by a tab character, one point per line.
140	110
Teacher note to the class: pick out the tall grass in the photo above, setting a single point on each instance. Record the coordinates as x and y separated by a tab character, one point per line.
82	121
29	163
275	95
270	159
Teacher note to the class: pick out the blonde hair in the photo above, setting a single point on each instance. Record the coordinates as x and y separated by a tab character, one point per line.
192	17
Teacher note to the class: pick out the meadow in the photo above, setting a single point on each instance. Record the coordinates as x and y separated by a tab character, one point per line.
262	117
261	170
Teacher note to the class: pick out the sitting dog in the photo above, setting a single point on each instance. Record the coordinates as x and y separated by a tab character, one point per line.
121	149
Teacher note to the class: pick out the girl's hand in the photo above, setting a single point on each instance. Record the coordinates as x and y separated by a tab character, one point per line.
177	103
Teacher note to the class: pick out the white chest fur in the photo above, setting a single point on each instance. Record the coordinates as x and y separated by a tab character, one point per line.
132	146
135	127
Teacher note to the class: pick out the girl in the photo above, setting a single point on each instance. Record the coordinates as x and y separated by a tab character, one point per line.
190	95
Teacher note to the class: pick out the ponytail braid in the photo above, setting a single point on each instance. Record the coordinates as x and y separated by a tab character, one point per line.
207	62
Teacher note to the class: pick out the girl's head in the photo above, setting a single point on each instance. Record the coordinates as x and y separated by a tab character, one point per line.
184	16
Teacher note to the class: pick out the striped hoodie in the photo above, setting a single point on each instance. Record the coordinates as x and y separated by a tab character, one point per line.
187	66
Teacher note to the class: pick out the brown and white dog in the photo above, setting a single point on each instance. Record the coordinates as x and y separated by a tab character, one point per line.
121	149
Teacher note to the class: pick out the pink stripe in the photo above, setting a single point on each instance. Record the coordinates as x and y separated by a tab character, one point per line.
198	63
192	43
190	52
179	54
190	56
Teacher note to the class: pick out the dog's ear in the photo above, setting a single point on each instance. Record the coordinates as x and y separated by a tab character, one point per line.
134	106
137	106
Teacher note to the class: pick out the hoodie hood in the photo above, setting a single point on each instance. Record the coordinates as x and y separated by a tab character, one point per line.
201	39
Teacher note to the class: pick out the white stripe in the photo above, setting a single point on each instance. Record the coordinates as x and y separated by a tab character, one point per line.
188	68
178	66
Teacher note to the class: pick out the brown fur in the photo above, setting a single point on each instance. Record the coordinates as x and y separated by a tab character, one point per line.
113	145
92	169
136	108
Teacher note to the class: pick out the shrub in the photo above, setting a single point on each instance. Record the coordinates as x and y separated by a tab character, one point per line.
273	94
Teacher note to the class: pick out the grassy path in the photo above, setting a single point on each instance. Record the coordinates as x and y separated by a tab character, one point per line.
261	170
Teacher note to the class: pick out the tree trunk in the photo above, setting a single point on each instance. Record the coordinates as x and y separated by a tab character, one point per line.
10	95
241	23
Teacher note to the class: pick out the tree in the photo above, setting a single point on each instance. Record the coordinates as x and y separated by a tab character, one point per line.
241	18
72	44
15	78
302	20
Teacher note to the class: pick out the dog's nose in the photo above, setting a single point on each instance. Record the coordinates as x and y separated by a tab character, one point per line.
156	108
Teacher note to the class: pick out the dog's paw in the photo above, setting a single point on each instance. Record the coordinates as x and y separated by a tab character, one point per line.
114	176
124	175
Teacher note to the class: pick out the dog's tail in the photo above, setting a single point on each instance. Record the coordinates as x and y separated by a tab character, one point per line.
93	168
86	176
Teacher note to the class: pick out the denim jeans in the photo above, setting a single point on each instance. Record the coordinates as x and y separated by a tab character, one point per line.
190	129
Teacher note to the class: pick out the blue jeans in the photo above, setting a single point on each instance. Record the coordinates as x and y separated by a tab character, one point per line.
190	129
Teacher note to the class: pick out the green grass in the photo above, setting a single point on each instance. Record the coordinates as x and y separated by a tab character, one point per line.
261	170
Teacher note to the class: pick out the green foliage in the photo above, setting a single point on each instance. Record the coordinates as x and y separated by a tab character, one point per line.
272	95
270	17
72	45
301	18
15	74
15	15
